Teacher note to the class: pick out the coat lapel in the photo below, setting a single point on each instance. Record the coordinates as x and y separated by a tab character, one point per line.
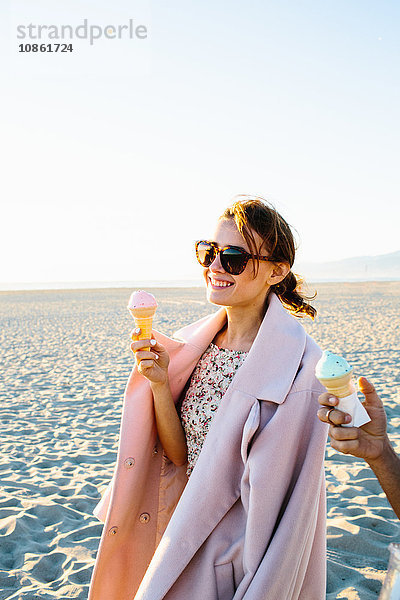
213	488
275	356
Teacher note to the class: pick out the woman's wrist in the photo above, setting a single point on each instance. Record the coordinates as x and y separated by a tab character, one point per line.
160	386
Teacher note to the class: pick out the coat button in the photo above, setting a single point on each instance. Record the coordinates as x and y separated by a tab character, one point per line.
155	451
129	462
112	531
144	518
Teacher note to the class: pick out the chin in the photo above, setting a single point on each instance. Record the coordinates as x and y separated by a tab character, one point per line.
217	302
217	298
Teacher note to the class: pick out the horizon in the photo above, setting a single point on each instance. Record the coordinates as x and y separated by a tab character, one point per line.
74	286
198	282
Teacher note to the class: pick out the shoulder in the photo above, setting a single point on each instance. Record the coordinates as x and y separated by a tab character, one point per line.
312	350
203	330
305	380
183	332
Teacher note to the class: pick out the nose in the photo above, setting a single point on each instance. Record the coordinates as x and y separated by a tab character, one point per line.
216	265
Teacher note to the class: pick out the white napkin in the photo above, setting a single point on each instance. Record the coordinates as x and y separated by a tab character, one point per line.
352	405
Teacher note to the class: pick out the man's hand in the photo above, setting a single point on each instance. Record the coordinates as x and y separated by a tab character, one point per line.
367	442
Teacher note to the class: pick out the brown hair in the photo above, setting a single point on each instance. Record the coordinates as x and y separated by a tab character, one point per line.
256	214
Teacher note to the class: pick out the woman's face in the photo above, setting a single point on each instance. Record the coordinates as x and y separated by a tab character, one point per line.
240	290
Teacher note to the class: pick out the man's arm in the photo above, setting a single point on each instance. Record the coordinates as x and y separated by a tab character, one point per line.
387	470
369	442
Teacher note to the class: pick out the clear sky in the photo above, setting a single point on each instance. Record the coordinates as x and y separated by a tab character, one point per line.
117	156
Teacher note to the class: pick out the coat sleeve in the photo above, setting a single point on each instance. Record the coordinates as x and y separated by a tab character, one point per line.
283	492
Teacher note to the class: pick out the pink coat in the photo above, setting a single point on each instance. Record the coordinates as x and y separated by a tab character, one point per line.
250	523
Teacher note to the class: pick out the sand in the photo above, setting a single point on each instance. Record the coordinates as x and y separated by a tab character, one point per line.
65	363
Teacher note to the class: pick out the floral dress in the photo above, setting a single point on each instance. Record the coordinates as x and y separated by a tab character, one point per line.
209	382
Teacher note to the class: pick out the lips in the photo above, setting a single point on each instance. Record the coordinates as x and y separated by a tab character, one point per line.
220	283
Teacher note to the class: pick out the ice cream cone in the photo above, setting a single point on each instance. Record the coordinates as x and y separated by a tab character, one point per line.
144	321
142	307
341	387
335	373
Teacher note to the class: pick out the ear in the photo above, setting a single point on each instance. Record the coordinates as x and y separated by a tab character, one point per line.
278	273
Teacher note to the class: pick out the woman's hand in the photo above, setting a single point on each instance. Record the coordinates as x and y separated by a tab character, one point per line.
152	364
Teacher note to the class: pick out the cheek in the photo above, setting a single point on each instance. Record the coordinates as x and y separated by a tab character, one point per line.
245	284
247	277
257	284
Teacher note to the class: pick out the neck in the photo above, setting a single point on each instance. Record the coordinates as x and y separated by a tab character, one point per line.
241	327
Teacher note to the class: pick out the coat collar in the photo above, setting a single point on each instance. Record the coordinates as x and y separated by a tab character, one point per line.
274	358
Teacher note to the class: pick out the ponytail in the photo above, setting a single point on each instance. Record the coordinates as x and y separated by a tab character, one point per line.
289	293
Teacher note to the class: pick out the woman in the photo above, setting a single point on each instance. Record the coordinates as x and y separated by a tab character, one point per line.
227	500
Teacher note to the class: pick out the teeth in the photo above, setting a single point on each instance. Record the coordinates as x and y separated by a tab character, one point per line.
220	283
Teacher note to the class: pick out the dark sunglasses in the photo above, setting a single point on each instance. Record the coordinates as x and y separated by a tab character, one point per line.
233	259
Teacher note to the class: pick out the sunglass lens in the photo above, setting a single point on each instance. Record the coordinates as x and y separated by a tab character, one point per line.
205	254
233	261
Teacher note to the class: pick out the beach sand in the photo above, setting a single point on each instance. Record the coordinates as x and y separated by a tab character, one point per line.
66	359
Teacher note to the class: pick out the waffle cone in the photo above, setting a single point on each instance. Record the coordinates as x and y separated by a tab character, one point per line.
339	386
146	327
142	311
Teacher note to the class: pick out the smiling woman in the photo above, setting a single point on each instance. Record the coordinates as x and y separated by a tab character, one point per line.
262	227
233	399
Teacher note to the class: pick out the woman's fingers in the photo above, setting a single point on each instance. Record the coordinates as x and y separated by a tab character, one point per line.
153	363
139	344
145	343
145	364
146	355
155	345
